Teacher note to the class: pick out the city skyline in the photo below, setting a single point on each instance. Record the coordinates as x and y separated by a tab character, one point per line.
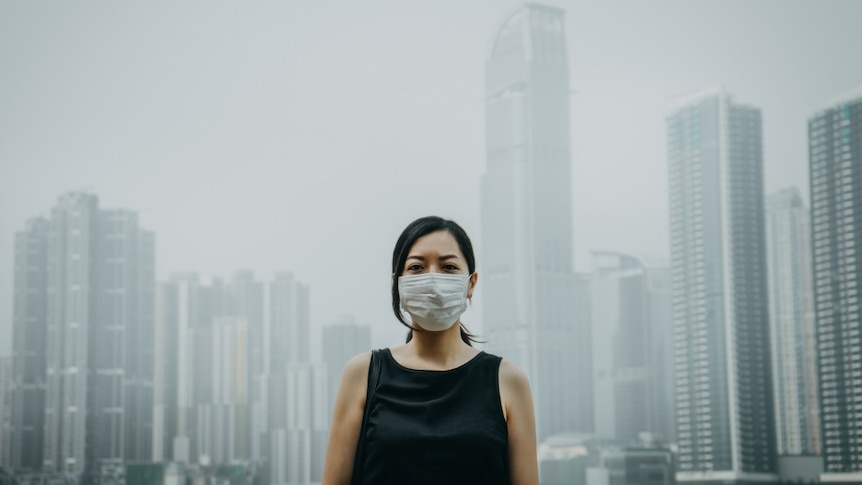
92	313
261	112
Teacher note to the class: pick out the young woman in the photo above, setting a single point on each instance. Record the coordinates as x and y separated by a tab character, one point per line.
442	412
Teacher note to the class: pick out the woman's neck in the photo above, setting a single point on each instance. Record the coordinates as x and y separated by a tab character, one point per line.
444	349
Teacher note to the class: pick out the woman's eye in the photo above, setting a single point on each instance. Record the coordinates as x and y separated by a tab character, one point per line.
414	267
450	267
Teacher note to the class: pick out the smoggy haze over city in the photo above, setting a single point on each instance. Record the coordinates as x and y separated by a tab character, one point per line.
303	136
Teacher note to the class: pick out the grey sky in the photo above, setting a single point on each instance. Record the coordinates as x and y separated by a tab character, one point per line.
303	136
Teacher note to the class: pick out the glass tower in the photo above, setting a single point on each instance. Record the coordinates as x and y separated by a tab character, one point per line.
835	157
534	309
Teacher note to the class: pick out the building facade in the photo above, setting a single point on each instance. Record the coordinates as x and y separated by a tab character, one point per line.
88	274
724	401
5	400
633	347
24	438
791	313
531	294
340	342
835	164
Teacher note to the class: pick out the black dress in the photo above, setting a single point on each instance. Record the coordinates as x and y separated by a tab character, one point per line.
437	427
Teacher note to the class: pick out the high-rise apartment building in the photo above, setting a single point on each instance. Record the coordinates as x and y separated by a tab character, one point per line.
340	342
188	311
83	344
5	399
24	438
791	312
531	294
182	305
835	168
299	428
296	389
724	401
290	327
633	347
220	390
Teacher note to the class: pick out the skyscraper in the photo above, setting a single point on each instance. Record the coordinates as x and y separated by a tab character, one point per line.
791	312
340	342
724	407
633	347
88	274
5	399
297	415
835	164
24	440
182	305
220	390
530	297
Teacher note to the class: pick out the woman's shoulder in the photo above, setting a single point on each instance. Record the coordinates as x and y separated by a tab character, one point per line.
357	366
512	376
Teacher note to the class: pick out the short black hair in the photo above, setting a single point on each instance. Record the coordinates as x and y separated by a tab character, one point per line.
416	229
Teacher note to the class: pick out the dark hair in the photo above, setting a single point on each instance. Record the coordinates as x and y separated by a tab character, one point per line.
418	228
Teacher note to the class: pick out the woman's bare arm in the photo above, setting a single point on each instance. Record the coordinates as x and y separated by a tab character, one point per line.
521	422
346	421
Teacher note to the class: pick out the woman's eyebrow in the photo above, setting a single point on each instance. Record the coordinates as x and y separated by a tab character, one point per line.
422	258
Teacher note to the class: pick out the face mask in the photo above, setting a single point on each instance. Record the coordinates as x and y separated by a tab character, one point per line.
434	301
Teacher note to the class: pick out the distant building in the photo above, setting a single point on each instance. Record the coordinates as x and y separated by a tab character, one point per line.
292	385
220	391
724	402
24	438
299	426
835	163
290	332
340	342
639	466
530	297
5	399
794	336
82	344
632	347
566	458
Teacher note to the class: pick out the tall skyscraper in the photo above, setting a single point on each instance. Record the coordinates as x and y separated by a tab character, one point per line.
220	390
633	347
5	399
530	293
297	389
24	439
186	326
791	312
298	430
724	407
835	158
290	332
93	270
340	342
182	305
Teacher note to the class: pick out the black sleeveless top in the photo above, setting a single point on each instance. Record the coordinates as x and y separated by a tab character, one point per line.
437	427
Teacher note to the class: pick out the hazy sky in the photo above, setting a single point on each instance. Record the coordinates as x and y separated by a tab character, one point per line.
304	136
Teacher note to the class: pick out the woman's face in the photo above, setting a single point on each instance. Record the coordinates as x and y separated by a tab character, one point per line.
438	252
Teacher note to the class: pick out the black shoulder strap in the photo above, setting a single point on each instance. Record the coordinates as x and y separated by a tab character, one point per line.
373	380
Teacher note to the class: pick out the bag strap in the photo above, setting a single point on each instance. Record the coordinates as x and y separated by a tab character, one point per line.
373	380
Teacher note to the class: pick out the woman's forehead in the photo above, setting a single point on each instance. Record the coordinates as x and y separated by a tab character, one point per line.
441	242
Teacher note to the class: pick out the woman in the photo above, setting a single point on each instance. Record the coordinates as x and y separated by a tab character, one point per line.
442	412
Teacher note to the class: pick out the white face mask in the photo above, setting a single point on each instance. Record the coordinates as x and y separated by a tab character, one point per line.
434	301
